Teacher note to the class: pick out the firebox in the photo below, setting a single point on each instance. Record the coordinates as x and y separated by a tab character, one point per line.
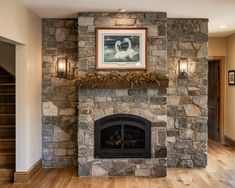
122	136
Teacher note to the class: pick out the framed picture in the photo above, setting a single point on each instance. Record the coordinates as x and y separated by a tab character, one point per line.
121	48
231	77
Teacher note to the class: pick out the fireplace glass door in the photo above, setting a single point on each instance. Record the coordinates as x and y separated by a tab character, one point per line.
121	136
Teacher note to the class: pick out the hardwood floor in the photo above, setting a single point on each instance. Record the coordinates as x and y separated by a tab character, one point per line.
220	173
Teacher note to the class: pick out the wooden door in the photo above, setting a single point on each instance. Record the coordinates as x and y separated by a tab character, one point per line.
213	100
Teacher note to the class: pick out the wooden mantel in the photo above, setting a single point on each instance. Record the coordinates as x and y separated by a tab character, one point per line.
115	80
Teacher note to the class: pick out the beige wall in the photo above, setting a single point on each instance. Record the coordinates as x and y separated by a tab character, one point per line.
217	46
230	107
225	46
7	57
22	27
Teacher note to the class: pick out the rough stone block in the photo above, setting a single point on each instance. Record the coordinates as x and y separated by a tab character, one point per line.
48	132
172	160
142	172
106	92
203	52
184	144
47	58
68	112
171	111
159	124
152	92
121	92
48	154
100	99
160	171
171	139
60	135
171	91
200	159
162	91
201	101
141	92
122	169
201	136
62	34
187	133
152	31
125	22
186	45
84	169
192	110
161	152
97	170
200	126
186	163
186	100
162	30
182	91
173	133
173	100
85	21
105	21
49	109
204	27
158	100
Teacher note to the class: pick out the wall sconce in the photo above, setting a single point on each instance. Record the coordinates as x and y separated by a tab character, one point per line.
183	69
62	67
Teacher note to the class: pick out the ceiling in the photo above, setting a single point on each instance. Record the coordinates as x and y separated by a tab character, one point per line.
219	12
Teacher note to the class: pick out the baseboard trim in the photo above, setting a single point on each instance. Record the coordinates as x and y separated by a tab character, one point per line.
229	141
25	177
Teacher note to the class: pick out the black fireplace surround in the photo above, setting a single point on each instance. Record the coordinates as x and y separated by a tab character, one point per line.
122	136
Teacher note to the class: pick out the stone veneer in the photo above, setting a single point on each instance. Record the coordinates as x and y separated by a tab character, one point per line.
97	103
157	40
187	99
59	123
169	41
146	103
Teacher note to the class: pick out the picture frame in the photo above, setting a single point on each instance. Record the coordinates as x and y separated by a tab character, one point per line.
121	48
231	77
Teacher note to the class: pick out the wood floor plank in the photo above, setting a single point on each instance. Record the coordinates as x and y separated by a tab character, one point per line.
220	173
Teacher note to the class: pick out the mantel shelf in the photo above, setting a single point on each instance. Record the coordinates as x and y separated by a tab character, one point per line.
124	85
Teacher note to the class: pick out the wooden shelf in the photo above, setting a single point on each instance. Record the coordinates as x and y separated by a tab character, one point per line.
124	85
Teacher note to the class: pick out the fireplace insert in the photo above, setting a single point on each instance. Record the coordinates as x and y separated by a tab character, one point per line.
122	136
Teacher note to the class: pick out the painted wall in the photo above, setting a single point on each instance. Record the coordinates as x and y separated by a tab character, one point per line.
225	46
22	27
217	46
230	90
7	57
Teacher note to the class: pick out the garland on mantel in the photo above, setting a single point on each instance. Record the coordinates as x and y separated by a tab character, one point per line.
122	80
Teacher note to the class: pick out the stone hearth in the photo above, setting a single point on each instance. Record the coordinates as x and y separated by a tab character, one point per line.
98	103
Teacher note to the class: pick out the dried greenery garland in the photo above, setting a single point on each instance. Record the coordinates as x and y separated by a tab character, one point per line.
119	80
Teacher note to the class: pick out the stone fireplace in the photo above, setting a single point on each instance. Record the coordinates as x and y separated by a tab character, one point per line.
141	110
148	106
177	115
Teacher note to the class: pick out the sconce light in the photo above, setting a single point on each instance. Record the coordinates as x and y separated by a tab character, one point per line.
62	67
183	69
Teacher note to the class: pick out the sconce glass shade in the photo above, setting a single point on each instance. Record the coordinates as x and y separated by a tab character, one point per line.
62	66
183	69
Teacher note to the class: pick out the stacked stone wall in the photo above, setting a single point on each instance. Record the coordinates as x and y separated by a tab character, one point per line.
169	41
187	98
59	95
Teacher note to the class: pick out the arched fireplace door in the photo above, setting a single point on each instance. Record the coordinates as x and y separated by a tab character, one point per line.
122	136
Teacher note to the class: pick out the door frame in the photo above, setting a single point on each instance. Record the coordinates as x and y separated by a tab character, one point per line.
222	102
